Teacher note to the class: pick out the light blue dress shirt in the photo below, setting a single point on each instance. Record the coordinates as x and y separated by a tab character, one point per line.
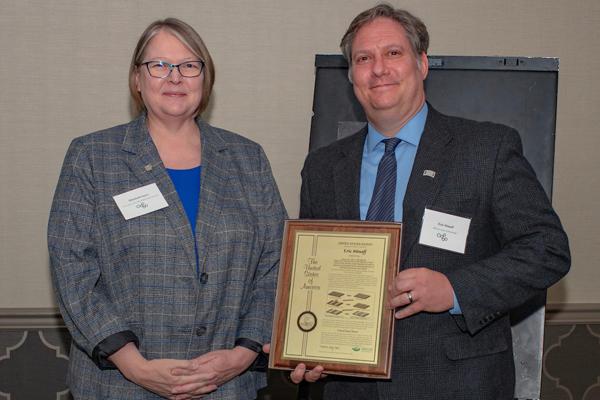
405	152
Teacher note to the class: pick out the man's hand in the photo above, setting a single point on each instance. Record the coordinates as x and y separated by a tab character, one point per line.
429	291
300	373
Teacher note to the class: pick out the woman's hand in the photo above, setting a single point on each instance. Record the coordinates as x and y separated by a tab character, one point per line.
224	365
157	375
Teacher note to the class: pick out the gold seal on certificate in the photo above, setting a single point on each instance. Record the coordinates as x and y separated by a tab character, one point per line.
331	295
307	321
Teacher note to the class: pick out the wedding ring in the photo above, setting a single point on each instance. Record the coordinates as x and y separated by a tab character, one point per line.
410	298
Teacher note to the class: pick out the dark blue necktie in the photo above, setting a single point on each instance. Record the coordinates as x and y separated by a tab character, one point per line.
384	193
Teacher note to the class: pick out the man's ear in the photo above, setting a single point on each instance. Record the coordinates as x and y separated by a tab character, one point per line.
423	65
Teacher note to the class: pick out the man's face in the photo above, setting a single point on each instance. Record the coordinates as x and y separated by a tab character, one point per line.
387	76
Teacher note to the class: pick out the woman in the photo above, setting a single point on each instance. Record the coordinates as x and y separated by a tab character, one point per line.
164	240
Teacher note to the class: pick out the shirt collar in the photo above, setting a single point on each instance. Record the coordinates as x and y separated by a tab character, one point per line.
411	132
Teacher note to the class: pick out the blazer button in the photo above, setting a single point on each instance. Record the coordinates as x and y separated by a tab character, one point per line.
200	331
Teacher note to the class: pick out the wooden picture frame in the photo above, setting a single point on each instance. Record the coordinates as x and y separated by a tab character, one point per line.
331	306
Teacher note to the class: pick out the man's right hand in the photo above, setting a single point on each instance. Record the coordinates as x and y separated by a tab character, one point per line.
300	373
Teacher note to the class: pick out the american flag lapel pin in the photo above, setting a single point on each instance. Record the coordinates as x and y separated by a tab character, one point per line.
429	173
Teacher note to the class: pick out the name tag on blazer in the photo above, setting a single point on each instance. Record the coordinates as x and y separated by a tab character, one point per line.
140	201
444	231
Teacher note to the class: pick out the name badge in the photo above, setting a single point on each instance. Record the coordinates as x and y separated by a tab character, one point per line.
444	231
140	201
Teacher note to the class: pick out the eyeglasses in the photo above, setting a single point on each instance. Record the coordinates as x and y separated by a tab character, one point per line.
161	69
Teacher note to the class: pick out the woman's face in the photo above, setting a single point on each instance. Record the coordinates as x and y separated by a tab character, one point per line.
173	97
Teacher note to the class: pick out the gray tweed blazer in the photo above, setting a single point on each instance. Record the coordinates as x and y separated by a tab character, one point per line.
516	248
111	275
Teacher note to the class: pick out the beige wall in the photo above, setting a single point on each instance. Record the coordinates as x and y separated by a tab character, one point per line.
63	73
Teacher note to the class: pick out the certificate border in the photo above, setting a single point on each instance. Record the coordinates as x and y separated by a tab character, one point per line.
324	234
380	370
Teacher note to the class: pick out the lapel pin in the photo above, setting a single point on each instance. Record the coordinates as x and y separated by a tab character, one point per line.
148	167
429	173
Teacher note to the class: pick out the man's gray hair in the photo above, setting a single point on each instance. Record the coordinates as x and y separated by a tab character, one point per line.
416	31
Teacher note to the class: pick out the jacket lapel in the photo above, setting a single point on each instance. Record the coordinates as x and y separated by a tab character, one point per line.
215	159
432	156
146	165
346	177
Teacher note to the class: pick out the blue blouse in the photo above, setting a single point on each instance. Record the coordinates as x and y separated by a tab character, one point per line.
187	184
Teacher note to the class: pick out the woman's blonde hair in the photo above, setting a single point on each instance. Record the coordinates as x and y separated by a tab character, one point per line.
191	39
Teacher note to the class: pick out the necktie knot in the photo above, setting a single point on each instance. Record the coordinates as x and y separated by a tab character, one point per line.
390	144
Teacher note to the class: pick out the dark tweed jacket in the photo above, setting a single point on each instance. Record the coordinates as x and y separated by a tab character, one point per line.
515	249
113	275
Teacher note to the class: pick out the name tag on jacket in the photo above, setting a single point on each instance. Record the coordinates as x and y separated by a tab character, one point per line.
444	231
140	201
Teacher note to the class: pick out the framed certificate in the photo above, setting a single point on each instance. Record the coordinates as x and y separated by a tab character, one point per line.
331	297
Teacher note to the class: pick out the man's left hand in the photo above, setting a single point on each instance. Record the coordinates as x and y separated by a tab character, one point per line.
429	291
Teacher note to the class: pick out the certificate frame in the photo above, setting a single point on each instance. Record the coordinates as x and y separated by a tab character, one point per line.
332	292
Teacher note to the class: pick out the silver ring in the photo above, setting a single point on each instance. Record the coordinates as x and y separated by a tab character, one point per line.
410	298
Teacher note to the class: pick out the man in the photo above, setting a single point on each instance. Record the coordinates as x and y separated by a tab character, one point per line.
452	336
